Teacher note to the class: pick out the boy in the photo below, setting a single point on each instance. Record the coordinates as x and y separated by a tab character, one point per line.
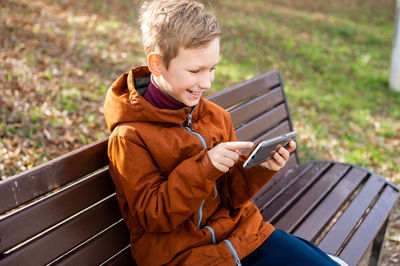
174	157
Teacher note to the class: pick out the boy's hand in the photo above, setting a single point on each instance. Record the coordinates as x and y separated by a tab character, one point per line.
226	154
279	159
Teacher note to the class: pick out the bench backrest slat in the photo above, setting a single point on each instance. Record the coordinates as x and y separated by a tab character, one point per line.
42	179
62	238
99	249
261	124
248	89
256	106
54	209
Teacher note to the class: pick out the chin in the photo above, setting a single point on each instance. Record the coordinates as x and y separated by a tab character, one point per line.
191	103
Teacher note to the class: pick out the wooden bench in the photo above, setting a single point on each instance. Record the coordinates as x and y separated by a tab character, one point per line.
65	211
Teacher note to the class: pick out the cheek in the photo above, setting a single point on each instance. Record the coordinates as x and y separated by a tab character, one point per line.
179	82
212	76
186	83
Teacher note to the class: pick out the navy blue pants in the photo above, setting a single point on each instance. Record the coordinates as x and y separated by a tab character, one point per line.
282	248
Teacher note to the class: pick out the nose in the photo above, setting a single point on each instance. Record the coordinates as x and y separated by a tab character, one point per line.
206	80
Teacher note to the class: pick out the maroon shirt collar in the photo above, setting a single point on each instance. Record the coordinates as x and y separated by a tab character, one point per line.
159	99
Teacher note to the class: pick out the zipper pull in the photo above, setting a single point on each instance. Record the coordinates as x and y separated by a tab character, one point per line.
189	121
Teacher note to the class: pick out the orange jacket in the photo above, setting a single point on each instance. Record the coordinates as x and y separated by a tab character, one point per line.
178	207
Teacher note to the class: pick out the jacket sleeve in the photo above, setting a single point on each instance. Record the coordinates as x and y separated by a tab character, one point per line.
240	185
161	203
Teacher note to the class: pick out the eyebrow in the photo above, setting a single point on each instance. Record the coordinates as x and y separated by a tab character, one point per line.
203	67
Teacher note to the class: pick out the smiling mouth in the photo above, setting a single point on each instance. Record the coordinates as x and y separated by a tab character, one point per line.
195	93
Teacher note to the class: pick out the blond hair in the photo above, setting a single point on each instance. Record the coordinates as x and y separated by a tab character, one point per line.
167	25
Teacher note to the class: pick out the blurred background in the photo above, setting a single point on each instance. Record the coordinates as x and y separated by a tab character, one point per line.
58	57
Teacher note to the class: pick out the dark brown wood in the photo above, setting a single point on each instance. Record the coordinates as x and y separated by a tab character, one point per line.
256	107
42	179
99	249
279	183
54	209
311	198
362	238
304	205
278	205
66	236
280	129
124	258
343	228
259	126
323	214
230	97
377	245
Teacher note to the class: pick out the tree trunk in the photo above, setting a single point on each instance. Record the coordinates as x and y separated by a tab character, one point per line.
394	81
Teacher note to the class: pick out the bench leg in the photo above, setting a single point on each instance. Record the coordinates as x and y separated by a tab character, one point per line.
378	245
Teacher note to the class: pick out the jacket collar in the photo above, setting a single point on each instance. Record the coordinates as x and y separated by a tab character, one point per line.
124	102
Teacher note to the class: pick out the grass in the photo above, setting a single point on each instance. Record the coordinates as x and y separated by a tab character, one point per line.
335	64
334	57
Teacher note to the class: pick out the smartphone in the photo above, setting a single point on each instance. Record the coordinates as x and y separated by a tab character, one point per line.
267	148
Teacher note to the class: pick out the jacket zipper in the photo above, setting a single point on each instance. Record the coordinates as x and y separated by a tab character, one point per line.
212	232
188	127
200	214
233	252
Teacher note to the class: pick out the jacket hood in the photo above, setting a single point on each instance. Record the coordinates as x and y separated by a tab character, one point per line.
124	102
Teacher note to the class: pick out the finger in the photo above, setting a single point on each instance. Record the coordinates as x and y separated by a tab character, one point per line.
284	153
228	162
272	165
292	146
279	159
222	168
231	155
237	145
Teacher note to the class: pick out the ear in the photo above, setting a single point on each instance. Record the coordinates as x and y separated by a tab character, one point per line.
154	64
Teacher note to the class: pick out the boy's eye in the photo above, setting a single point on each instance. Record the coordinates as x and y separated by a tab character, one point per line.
194	71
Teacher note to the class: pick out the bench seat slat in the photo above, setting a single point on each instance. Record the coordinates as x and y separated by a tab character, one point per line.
256	107
325	211
262	124
60	240
279	183
124	258
311	198
350	217
230	97
290	162
56	173
53	209
276	206
100	249
374	220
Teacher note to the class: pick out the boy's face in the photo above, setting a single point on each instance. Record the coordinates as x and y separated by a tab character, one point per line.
190	73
